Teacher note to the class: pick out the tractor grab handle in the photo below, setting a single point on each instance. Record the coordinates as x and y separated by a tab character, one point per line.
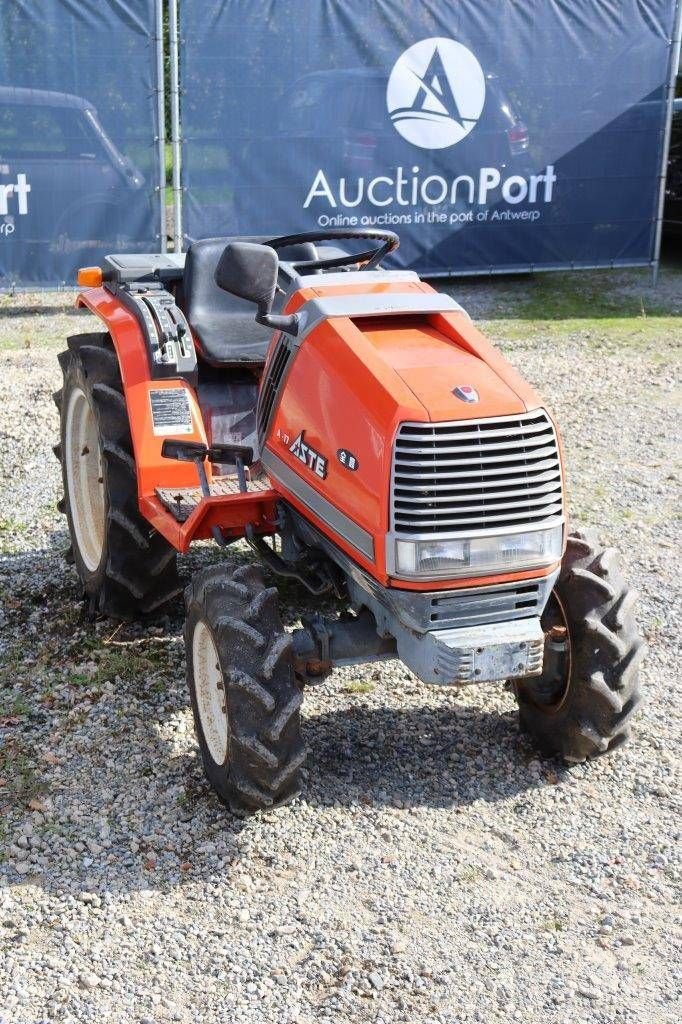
226	452
184	451
194	451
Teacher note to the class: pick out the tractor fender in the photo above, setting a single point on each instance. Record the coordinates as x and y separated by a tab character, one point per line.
125	333
138	386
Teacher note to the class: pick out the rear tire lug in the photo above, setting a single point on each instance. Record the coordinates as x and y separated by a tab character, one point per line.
121	576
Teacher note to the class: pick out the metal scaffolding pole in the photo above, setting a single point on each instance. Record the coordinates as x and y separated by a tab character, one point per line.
670	100
175	121
161	120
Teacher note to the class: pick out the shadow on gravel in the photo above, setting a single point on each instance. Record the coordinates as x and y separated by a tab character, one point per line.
16	311
439	757
98	766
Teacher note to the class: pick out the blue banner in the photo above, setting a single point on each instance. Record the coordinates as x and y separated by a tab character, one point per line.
494	135
78	162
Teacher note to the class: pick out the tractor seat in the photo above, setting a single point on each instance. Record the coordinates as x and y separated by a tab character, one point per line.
223	324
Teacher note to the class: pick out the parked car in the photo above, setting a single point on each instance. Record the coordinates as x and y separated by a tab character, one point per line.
80	192
338	119
353	101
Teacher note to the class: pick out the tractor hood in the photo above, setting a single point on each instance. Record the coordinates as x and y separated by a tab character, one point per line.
449	380
347	390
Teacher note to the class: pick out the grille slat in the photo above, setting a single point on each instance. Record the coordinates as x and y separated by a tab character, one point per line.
526	445
495	471
471	608
437	525
546	479
274	378
467	435
514	456
506	472
449	495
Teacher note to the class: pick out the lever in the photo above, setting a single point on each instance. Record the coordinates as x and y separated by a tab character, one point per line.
196	452
189	451
242	455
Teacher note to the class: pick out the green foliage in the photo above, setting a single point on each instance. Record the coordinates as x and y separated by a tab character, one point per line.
359	687
20	778
13	704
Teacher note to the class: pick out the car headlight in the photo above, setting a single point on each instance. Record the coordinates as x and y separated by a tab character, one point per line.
479	556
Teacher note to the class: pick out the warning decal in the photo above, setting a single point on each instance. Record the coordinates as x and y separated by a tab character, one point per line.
170	411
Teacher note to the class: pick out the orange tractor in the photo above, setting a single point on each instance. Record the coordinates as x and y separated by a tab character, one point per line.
365	439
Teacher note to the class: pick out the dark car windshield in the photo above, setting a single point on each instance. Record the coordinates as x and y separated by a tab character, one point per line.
359	102
44	132
343	100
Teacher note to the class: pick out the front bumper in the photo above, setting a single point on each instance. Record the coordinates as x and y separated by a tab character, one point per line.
476	654
452	637
457	637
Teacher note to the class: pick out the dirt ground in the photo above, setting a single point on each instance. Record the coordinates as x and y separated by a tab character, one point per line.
434	869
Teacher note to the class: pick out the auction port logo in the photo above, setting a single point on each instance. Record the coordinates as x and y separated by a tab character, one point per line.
435	93
10	191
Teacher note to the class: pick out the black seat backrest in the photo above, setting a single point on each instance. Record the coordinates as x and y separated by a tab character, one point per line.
223	324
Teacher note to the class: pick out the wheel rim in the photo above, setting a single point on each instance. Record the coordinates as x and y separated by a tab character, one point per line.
548	691
84	478
210	692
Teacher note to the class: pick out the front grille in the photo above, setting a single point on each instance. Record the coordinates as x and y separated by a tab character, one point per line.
272	383
470	475
478	605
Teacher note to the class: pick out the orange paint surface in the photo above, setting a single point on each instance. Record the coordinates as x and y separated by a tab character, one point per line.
153	470
350	386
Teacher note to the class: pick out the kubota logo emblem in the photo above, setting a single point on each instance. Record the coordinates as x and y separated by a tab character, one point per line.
466	393
435	93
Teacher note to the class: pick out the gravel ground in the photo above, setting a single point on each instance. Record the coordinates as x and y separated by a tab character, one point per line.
433	869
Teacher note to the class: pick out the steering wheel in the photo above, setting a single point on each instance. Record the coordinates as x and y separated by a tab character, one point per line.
370	257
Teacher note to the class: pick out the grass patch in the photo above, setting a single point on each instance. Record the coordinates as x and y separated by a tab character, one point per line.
359	687
142	663
657	333
13	704
20	779
88	666
553	924
13	669
586	297
11	530
603	308
128	662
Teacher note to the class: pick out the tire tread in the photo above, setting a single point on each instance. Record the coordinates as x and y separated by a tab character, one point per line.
263	701
606	653
139	574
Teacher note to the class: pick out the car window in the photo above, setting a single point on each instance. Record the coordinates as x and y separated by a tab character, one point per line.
369	108
29	130
498	111
304	104
320	102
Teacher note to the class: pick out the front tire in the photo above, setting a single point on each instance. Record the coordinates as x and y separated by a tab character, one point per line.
126	567
245	700
583	703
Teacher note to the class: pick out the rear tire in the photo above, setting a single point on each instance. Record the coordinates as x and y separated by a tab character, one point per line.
586	709
125	566
244	696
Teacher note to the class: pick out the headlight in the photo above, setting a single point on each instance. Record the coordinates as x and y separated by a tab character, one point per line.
479	556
